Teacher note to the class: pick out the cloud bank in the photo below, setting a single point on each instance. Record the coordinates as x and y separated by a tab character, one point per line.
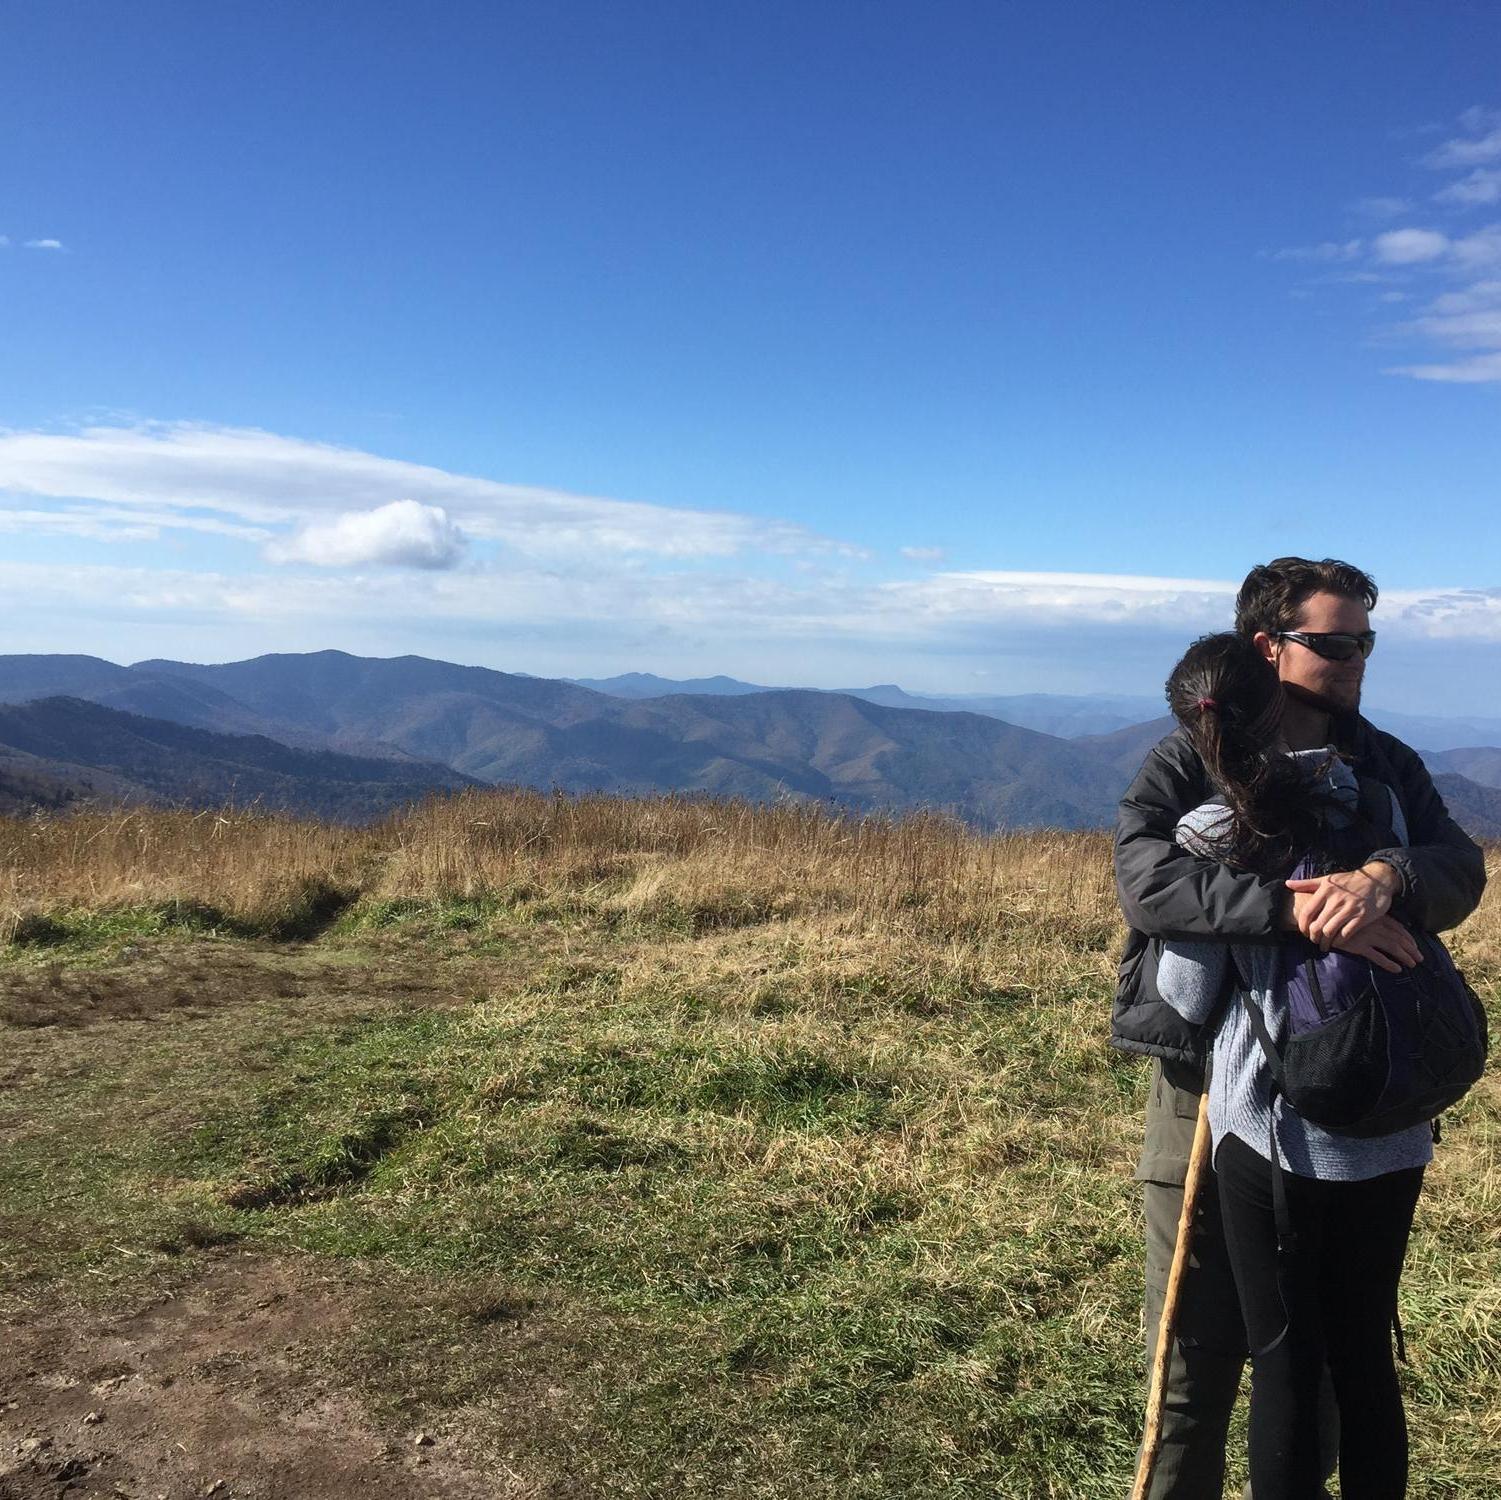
949	610
269	480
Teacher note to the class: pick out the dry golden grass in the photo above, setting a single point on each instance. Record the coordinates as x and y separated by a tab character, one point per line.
723	861
809	1120
238	863
710	863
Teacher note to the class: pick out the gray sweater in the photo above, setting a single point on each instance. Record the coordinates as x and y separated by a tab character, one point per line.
1191	978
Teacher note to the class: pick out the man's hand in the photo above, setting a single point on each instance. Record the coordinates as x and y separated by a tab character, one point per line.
1386	942
1330	909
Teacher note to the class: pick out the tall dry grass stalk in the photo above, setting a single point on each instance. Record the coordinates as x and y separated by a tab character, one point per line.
242	864
716	862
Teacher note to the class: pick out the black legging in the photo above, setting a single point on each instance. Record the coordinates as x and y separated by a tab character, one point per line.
1335	1296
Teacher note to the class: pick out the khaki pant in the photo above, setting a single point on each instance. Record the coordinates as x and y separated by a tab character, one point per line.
1209	1352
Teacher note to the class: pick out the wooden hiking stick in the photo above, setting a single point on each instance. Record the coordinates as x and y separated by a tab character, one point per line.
1152	1438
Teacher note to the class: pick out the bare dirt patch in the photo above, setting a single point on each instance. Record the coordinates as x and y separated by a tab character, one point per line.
161	982
217	1390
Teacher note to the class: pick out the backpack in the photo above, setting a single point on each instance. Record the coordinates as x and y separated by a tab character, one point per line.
1369	1052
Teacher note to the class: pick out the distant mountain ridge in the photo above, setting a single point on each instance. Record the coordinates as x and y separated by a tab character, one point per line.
502	727
82	750
1066	715
412	717
1480	764
539	732
1049	713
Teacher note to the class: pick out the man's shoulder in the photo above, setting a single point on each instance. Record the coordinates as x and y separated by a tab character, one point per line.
1174	743
1175	748
1171	773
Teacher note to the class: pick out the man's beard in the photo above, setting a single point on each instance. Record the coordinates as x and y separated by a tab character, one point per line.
1300	694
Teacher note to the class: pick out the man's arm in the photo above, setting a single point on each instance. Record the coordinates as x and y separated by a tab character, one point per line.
1164	890
1442	867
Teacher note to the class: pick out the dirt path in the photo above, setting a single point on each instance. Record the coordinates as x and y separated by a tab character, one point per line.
202	1394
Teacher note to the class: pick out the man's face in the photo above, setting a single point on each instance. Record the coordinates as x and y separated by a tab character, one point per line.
1334	684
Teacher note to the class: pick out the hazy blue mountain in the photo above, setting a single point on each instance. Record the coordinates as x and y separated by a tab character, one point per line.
132	690
1050	713
1124	750
851	749
102	752
1428	732
1480	763
46	676
649	685
1476	808
1069	716
502	727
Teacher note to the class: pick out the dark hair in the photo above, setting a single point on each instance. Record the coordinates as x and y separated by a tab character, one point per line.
1229	699
1274	593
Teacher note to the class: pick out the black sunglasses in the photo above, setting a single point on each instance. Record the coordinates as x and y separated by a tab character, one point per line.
1336	645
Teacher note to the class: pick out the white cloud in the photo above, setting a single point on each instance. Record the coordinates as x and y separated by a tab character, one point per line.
1407	257
111	523
1446	614
404	533
1327	252
1480	329
74	524
1043	600
267	479
1479	370
44	244
1483	185
960	611
1479	296
1480	143
1478	250
1467	319
923	554
1405	247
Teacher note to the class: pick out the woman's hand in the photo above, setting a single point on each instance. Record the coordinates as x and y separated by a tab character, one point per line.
1331	909
1386	943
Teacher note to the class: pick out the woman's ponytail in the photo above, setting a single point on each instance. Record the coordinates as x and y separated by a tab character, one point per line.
1229	699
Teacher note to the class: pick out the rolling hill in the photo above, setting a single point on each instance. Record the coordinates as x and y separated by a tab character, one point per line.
502	727
415	721
68	750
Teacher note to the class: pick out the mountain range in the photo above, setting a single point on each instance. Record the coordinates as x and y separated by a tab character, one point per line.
64	750
1058	713
349	736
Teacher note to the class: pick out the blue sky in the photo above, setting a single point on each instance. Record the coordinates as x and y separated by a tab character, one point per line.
975	347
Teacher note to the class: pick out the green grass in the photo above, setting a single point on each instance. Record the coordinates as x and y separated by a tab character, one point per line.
80	934
729	1210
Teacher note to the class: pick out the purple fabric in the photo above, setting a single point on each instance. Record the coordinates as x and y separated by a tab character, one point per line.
1321	986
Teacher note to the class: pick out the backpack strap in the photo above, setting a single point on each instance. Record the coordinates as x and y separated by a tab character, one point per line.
1287	1236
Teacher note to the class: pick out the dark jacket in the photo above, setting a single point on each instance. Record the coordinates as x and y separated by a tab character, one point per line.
1165	892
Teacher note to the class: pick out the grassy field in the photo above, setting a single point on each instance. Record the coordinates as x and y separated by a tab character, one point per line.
671	1147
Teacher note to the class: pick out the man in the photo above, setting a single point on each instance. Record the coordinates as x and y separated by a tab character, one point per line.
1311	621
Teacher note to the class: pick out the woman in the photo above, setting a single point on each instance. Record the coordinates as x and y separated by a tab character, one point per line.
1327	1295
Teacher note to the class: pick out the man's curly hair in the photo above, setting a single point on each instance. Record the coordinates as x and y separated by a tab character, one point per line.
1274	593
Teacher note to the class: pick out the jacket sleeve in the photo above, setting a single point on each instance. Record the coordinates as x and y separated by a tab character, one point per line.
1442	867
1164	890
1191	978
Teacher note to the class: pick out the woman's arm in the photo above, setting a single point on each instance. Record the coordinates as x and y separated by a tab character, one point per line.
1165	890
1191	978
